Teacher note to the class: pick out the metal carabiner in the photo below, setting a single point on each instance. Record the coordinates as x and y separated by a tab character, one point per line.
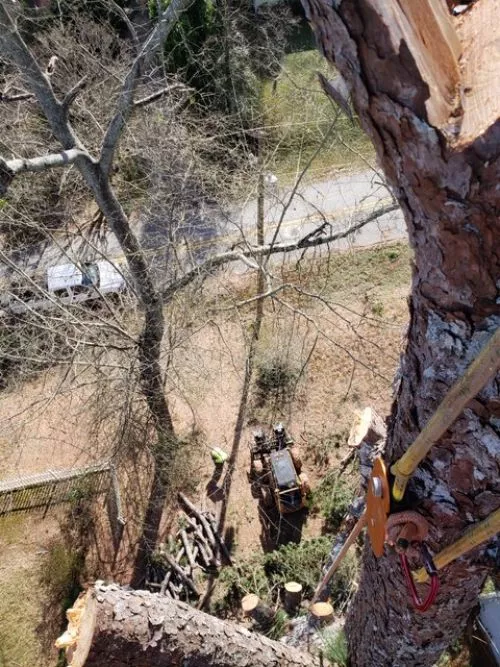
431	571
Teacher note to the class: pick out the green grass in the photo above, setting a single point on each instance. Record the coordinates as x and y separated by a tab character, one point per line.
279	626
61	574
19	618
335	648
32	615
369	274
298	115
19	603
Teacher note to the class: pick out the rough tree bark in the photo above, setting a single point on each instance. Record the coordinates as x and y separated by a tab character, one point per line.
114	627
425	86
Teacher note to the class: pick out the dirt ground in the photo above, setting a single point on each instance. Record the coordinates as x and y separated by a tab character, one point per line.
337	351
46	424
342	352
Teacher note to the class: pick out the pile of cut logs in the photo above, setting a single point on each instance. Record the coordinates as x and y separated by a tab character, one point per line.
197	545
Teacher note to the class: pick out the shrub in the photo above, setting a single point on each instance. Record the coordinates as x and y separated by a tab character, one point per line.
265	575
393	254
275	380
301	562
333	498
247	577
377	308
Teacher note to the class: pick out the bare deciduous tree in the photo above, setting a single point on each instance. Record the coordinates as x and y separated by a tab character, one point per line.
96	172
67	101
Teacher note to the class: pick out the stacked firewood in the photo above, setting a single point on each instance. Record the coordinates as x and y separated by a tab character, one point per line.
197	545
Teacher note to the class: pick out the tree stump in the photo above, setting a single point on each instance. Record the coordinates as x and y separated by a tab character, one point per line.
322	613
253	606
293	595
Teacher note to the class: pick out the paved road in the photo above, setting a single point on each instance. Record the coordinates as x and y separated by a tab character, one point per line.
341	201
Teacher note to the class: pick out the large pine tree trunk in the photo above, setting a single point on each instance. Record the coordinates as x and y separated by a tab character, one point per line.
425	85
116	627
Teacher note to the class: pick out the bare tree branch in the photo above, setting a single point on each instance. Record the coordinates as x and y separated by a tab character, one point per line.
19	97
296	185
70	96
159	94
119	11
96	175
308	241
10	168
126	100
13	47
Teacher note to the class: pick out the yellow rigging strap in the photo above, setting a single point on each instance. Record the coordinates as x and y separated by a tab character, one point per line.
481	370
472	538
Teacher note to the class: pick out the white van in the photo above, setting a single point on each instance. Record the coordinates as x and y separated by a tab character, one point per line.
67	284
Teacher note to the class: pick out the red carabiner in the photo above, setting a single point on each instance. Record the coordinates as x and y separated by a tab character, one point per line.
431	571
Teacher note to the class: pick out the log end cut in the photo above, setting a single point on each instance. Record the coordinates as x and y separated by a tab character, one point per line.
81	624
367	427
113	626
293	587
